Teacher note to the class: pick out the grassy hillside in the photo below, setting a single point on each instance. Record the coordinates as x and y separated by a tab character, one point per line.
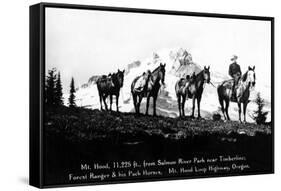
87	124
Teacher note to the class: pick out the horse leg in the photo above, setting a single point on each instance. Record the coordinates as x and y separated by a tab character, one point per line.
135	102
226	109
100	101
117	102
104	101
147	104
244	110
179	104
154	105
183	103
222	108
198	106
193	106
139	103
239	110
110	107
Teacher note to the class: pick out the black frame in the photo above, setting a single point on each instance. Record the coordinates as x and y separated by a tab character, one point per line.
37	79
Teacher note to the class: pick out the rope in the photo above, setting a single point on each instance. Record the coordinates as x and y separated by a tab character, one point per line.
213	84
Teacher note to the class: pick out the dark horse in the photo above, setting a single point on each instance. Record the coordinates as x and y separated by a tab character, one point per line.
244	84
192	88
151	89
108	86
181	89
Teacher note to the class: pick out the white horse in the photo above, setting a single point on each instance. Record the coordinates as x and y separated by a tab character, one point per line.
245	83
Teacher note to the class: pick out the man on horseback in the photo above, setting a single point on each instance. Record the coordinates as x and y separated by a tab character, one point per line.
235	72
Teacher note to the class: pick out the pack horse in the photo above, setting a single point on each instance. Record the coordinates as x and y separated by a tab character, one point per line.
110	86
148	85
152	82
192	87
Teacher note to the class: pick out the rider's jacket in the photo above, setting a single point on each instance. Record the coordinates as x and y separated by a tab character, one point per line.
234	68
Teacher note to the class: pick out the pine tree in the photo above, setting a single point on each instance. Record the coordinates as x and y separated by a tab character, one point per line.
71	99
58	91
50	87
259	115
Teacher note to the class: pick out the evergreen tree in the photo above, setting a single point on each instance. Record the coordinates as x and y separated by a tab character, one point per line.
50	87
259	115
71	99
58	91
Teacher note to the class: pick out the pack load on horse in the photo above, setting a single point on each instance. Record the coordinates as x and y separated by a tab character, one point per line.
242	92
148	85
108	86
192	88
143	81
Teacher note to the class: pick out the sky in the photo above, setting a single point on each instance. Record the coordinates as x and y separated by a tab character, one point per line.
83	43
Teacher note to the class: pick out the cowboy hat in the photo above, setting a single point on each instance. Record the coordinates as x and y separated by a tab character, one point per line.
234	57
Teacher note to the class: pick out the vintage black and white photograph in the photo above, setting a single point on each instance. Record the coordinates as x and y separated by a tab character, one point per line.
133	96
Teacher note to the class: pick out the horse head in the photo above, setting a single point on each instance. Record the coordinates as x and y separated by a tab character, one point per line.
206	74
120	77
162	73
251	76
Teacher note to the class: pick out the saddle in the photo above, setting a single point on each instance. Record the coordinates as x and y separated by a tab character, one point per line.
142	83
184	83
107	80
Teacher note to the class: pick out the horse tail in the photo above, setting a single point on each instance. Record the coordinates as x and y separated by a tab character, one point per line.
219	89
133	85
220	95
98	85
177	87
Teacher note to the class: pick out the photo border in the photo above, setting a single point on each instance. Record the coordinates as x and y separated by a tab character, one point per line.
42	43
